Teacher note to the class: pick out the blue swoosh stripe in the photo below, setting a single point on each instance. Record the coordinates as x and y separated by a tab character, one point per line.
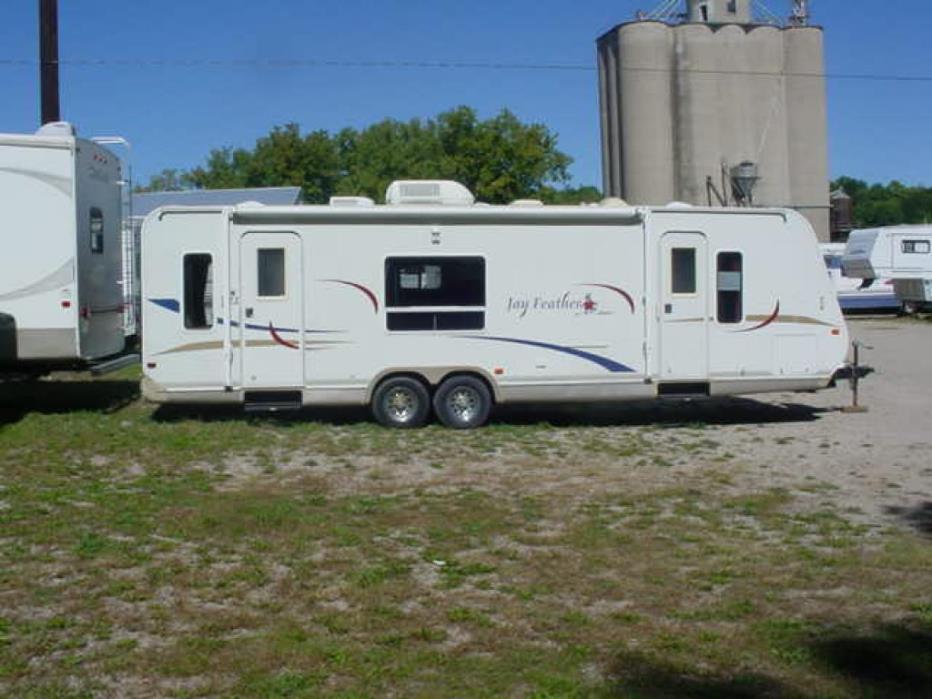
604	362
168	304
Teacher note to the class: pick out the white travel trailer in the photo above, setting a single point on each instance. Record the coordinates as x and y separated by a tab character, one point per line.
432	301
61	301
900	253
858	294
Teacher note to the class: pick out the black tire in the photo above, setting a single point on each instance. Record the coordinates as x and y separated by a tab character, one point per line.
463	402
401	403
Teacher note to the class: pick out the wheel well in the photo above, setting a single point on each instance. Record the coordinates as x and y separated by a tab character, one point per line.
474	375
431	378
397	375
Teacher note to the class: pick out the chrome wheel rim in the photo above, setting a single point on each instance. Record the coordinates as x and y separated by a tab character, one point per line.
464	404
400	404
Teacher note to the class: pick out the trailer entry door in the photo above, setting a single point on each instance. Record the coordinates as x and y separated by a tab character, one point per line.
684	307
271	310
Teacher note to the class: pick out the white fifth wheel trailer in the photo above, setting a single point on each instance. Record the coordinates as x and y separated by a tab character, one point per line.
432	301
61	301
858	294
900	253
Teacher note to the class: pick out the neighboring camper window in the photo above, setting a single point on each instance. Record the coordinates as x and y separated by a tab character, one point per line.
730	287
271	271
198	291
432	282
916	247
683	270
97	231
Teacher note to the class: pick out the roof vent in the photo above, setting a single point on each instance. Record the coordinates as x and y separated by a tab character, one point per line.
351	201
527	203
435	192
62	129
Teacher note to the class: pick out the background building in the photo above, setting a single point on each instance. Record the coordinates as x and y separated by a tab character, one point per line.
723	104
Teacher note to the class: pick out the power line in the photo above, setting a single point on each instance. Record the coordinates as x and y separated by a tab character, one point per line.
289	63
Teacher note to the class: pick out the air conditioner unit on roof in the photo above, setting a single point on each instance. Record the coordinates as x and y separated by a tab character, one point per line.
435	192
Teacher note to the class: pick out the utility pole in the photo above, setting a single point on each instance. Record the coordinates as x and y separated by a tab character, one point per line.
48	60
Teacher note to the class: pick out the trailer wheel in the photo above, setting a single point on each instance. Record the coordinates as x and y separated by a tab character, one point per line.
401	402
463	402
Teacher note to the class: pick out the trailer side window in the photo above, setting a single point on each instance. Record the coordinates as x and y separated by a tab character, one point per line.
271	271
97	230
683	270
433	291
730	287
198	291
917	247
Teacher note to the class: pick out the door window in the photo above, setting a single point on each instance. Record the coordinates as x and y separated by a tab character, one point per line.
683	270
271	272
97	231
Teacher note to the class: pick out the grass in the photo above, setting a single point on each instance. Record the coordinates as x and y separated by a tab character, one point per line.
187	554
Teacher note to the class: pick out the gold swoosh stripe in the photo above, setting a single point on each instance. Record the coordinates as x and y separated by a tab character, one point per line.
218	344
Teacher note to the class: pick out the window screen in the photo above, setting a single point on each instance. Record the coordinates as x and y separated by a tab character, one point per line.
683	269
97	231
730	287
198	291
271	272
921	247
432	282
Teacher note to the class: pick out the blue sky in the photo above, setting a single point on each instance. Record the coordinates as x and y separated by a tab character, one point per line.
174	115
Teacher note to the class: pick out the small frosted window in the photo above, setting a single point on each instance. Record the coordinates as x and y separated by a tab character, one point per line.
683	267
271	271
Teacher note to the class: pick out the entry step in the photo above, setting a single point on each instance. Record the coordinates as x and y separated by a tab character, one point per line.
272	401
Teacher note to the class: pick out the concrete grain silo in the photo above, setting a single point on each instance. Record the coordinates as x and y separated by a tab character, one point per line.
687	98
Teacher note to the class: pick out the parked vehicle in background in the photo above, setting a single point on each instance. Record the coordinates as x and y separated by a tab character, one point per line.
900	253
432	303
858	294
61	299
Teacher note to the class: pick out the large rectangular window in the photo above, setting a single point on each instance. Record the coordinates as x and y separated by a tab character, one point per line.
423	286
198	291
683	270
730	287
916	247
271	272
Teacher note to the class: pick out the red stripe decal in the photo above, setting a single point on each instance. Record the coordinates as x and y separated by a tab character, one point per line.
360	287
772	318
278	338
617	290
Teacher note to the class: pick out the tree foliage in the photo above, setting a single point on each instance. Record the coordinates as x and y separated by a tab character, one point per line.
887	205
500	159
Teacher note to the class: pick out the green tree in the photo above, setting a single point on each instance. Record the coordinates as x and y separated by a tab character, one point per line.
887	205
500	159
167	181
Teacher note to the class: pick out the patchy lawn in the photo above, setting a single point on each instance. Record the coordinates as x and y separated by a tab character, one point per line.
148	552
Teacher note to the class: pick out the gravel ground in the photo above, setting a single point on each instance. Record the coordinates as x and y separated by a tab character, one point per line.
879	460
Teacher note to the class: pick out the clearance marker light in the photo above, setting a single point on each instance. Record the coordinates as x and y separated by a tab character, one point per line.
151	365
66	304
836	332
498	371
